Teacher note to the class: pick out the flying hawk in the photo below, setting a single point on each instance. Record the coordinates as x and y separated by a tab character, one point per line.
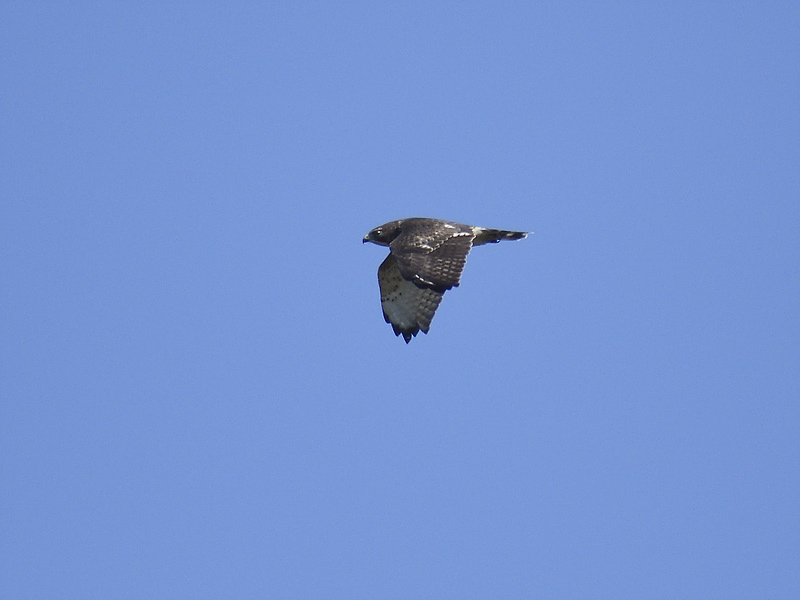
426	258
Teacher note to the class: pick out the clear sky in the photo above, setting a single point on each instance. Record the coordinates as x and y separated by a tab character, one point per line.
200	397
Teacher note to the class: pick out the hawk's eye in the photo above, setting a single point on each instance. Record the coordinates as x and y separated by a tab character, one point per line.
378	232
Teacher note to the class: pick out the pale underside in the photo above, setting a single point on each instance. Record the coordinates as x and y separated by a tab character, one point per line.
408	307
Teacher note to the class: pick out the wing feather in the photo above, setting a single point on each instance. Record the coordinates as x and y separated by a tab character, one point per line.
408	307
433	253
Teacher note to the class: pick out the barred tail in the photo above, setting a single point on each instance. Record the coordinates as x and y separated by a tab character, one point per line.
492	236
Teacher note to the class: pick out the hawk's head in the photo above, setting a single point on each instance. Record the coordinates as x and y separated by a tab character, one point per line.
385	234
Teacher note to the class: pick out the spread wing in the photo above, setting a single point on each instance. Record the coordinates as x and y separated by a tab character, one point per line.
433	253
406	306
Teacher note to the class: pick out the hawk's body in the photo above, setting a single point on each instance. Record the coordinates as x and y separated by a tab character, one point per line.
426	258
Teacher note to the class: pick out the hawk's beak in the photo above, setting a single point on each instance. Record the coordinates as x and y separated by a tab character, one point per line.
366	239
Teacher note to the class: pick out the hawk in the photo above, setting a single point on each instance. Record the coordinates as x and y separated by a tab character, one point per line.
426	258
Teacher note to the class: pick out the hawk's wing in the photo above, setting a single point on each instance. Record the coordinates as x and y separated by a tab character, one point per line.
406	306
433	253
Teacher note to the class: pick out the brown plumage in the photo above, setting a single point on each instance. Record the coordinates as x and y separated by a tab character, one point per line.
426	258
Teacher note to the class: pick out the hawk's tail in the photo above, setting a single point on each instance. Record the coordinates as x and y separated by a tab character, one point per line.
492	236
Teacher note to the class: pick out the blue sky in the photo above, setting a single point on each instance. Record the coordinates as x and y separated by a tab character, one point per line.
200	397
